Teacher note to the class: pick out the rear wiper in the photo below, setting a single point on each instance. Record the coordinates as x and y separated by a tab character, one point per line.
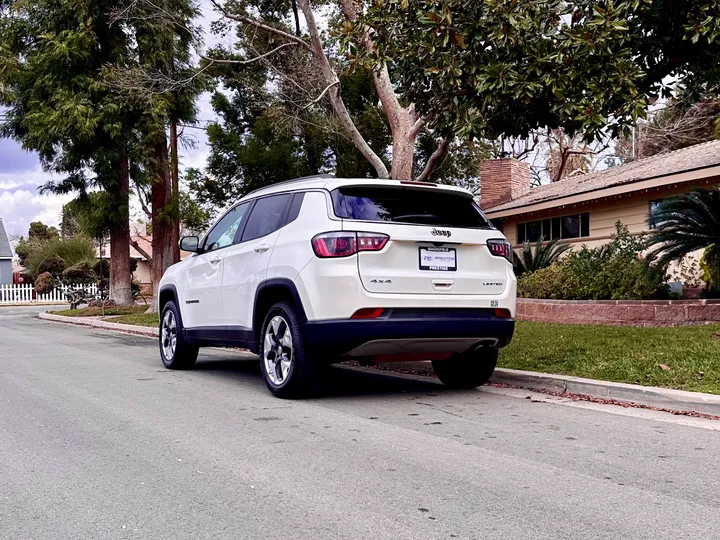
417	217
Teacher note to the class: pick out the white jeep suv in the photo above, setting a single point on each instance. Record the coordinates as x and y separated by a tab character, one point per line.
321	269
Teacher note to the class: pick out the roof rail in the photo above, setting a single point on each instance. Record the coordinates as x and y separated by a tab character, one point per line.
285	182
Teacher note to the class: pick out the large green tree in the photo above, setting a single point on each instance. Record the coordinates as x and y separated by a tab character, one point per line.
455	69
164	83
504	67
52	54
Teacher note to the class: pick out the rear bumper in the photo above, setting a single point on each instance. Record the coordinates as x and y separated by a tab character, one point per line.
410	331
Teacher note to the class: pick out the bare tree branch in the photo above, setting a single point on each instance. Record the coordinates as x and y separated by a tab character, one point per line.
322	94
140	250
143	203
262	26
296	17
249	61
417	127
335	99
381	76
435	159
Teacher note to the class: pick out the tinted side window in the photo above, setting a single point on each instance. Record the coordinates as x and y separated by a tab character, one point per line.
223	233
295	206
266	216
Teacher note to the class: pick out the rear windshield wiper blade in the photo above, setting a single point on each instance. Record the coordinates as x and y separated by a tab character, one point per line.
417	217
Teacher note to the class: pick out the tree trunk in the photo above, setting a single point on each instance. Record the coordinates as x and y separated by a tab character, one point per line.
403	145
120	276
174	160
162	255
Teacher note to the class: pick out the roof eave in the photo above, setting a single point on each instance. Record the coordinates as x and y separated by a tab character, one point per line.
692	175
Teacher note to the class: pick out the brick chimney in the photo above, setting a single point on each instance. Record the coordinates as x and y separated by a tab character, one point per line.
503	180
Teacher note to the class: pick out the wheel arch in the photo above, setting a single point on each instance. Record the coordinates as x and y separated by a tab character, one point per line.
165	295
269	293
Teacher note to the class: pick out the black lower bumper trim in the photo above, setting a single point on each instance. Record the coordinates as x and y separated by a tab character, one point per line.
338	337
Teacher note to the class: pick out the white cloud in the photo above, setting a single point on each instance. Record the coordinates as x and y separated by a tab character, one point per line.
19	208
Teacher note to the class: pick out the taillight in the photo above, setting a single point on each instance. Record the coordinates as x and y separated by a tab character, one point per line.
502	313
501	248
344	244
368	313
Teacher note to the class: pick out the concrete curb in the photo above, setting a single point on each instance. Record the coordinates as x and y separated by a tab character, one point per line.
665	398
652	396
104	325
676	400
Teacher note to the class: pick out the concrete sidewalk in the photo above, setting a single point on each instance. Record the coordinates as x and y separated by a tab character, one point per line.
664	398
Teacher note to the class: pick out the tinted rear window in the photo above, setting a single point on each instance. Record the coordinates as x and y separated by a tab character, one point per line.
414	206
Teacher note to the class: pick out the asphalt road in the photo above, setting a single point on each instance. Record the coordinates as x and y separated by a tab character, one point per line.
98	440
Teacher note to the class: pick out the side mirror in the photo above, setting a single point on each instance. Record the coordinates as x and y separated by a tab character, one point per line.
190	243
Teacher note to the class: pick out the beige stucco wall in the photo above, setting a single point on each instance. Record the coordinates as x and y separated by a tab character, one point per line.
142	273
631	209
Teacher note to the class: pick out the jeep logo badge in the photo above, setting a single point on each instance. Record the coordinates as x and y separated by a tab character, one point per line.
440	232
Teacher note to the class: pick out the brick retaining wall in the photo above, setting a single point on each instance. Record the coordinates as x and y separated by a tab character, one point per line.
620	312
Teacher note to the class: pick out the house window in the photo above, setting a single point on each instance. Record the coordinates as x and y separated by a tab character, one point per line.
572	226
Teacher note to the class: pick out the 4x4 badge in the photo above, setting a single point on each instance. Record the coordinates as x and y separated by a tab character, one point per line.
441	232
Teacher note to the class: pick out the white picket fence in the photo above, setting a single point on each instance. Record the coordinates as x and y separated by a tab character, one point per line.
25	294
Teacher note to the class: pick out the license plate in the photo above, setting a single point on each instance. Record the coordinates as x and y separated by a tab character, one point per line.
438	259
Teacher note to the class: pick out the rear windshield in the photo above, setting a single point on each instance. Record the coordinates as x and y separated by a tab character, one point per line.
403	205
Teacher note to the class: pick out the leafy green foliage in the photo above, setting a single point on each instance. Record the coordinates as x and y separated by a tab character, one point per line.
102	268
41	232
710	265
541	255
22	250
504	67
615	271
81	272
70	250
53	264
687	223
45	283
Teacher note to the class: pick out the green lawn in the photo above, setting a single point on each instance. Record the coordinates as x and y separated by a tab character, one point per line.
139	319
97	312
686	358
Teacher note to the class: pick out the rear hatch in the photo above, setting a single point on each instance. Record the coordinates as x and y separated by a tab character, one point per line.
438	240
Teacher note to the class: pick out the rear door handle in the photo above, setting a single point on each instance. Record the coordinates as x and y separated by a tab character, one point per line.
262	248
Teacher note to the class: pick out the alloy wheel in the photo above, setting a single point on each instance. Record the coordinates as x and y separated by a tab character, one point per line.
168	335
278	350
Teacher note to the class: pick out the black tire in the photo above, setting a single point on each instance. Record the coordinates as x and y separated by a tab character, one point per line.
184	354
301	370
467	370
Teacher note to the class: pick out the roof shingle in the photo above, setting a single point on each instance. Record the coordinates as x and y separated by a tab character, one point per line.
687	159
5	247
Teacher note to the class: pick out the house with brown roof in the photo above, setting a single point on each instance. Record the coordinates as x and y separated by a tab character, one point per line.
583	209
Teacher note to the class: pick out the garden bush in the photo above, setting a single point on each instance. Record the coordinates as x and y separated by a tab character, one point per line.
616	271
45	283
70	250
53	265
80	273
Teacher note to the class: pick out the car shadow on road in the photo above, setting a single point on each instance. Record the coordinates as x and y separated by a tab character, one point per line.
336	381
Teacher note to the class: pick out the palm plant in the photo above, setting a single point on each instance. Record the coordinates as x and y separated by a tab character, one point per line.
537	256
688	223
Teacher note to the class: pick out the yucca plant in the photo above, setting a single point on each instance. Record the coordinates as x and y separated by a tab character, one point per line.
684	224
539	255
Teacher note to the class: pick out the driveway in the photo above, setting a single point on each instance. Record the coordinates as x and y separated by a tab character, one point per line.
98	440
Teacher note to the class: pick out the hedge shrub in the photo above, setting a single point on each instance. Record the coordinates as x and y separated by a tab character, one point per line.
616	271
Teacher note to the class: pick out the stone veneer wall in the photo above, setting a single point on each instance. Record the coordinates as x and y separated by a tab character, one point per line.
652	313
